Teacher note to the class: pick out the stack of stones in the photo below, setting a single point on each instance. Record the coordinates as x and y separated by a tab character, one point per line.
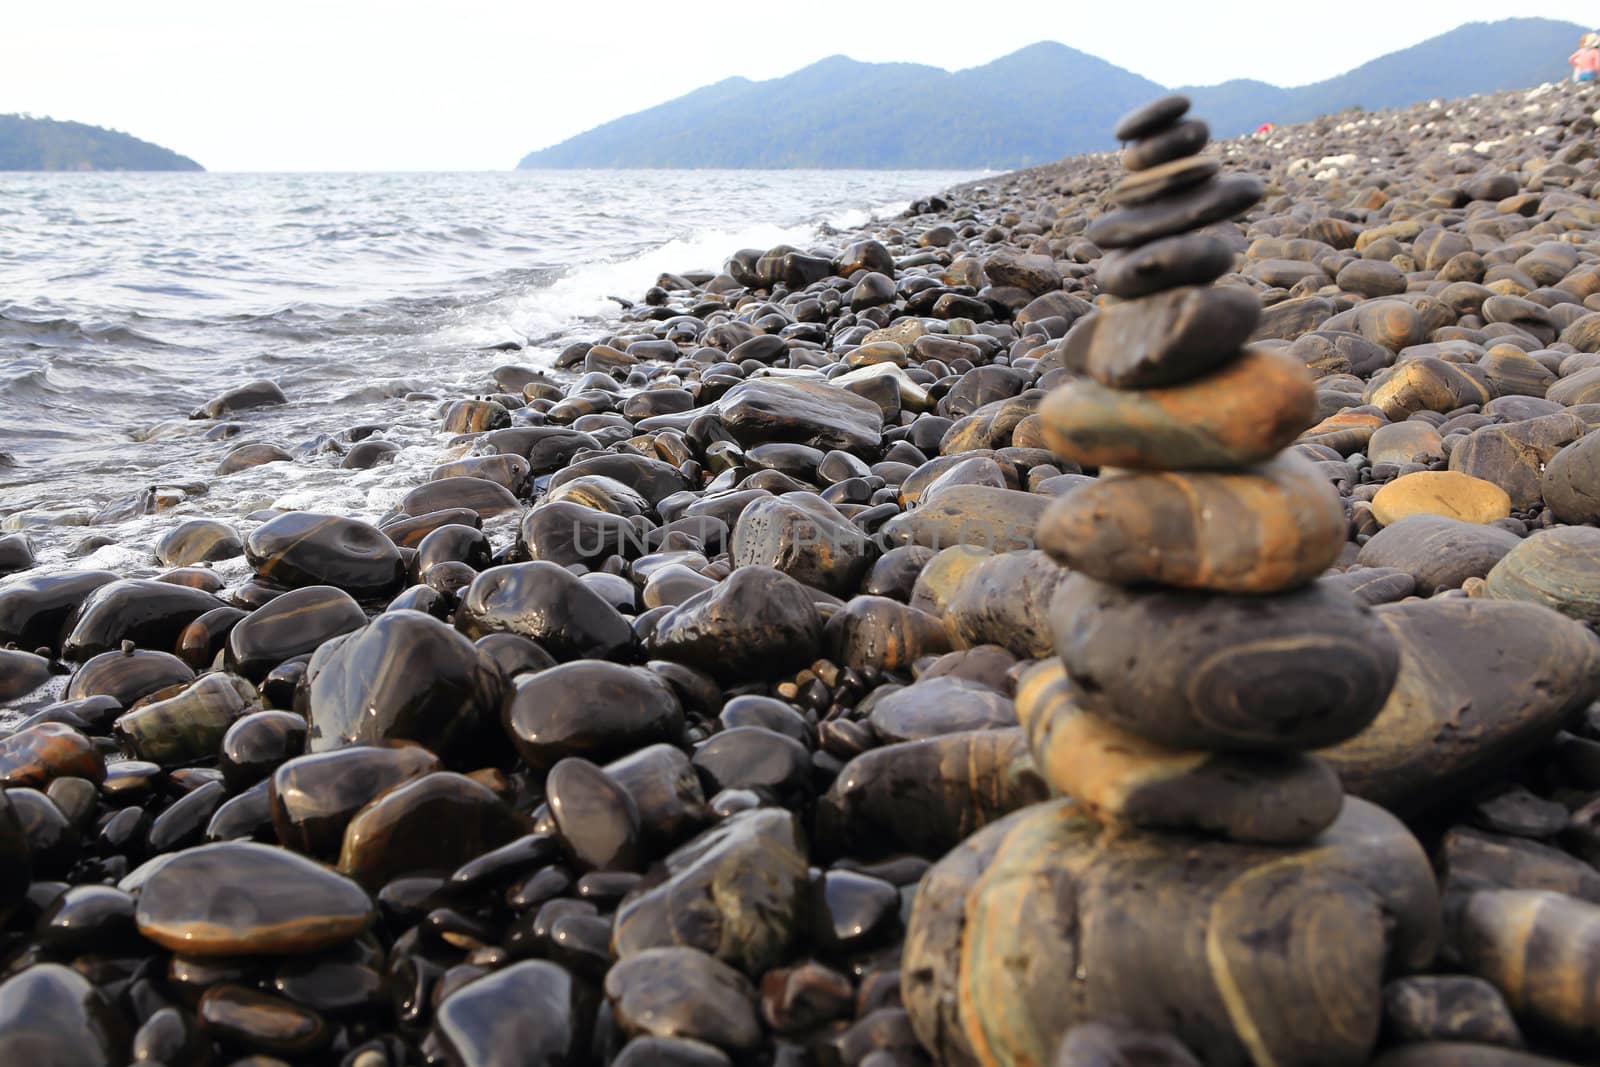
1203	874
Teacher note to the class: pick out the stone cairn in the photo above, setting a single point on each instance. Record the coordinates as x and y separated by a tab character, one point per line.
1203	876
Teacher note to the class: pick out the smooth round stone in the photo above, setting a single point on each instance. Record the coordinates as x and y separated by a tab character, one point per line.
1411	441
1182	139
475	1028
1481	684
977	517
188	726
548	604
1268	798
246	816
34	610
667	792
1513	372
1344	432
1570	483
599	493
513	654
805	537
1372	585
15	864
671	585
480	495
1305	668
1165	339
290	625
184	822
246	456
36	756
851	911
1579	387
940	474
595	817
364	455
591	708
86	918
1244	953
1240	414
1437	551
874	631
564	532
243	899
301	548
924	797
1558	568
1424	384
454	542
1150	118
314	797
670	1052
434	823
1535	947
53	842
1267	529
198	541
1004	600
757	760
1167	179
257	744
1333	352
151	614
1188	259
1514	456
1215	200
405	676
768	713
241	1016
1448	493
475	416
16	553
1396	325
683	992
342	981
259	393
409	531
813	413
1448	1007
1371	278
651	478
21	673
50	1014
737	892
993	426
933	707
756	623
201	641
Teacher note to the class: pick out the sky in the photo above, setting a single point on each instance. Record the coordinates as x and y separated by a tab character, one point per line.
404	85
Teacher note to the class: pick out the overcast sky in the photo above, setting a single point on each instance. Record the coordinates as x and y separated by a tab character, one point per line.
471	85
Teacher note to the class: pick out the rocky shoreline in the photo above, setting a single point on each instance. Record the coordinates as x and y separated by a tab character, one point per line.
707	705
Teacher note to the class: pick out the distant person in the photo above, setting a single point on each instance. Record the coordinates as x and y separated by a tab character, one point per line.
1265	129
1586	60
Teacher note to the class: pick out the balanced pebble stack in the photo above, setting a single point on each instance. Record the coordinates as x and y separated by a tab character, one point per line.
1203	874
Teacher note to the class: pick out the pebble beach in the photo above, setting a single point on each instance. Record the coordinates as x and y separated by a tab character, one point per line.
1134	612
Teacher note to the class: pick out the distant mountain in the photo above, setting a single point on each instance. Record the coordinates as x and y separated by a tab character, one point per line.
1033	106
28	143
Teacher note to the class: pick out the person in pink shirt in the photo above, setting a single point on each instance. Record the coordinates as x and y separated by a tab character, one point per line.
1586	60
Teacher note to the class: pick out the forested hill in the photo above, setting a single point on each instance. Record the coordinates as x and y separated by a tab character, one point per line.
1033	106
27	143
